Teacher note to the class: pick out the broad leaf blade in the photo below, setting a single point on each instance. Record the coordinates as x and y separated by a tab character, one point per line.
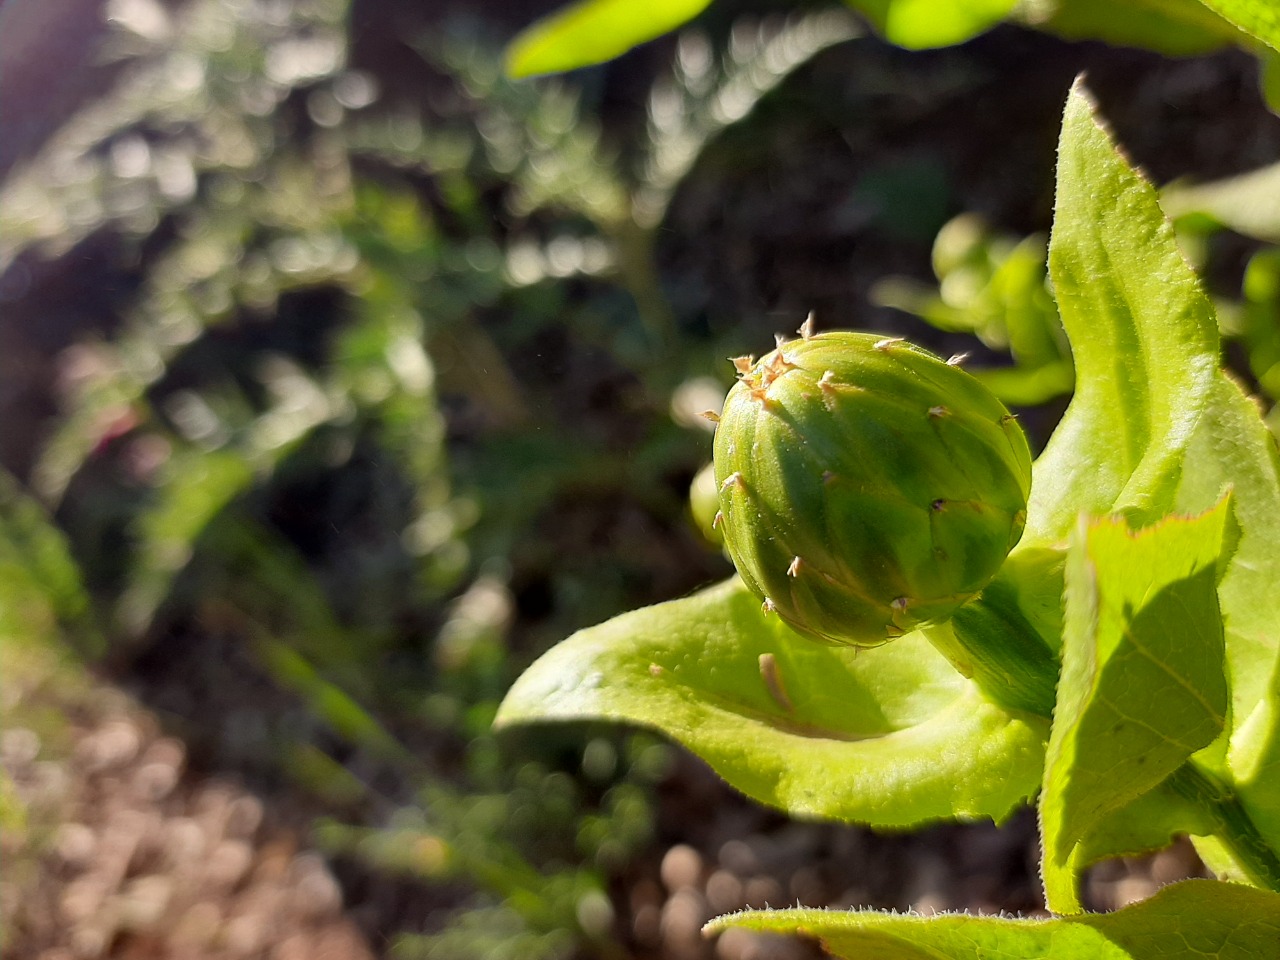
871	935
1194	920
1177	28
1233	447
890	737
1151	822
593	31
1143	684
1258	18
921	24
1142	334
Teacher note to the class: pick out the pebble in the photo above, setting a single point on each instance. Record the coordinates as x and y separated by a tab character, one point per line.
763	891
228	864
681	867
724	892
18	747
149	863
806	887
113	745
737	855
75	843
145	901
646	924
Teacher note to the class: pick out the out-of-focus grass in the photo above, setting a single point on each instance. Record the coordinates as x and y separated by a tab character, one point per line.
341	452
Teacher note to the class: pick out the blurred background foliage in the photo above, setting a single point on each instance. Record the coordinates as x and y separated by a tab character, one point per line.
339	453
365	402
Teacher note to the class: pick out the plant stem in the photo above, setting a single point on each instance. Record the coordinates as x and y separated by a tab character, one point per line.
996	648
1235	830
1006	640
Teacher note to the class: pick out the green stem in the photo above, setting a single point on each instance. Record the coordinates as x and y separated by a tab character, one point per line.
992	644
1006	640
993	641
1235	830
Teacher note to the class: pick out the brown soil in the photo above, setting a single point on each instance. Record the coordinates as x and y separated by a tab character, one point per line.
128	854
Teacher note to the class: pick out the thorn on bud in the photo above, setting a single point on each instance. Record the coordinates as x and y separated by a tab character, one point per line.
768	606
888	342
794	569
710	415
742	364
773	682
827	381
900	624
732	480
806	329
656	670
717	520
939	505
939	411
1008	418
957	359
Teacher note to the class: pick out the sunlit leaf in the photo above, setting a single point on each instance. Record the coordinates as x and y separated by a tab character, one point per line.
593	31
1248	203
1258	18
1233	447
1194	920
920	24
891	736
1177	28
1143	685
1142	334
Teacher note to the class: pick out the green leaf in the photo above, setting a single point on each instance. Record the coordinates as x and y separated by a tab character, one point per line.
1155	427
195	487
1248	203
1142	333
1194	920
1177	28
921	24
1143	685
42	596
1149	823
1258	18
1269	81
890	737
1255	761
1232	446
593	31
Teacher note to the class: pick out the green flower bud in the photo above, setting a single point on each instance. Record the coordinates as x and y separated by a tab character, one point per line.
867	487
704	504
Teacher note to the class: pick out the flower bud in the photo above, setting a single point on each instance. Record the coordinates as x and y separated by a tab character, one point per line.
867	487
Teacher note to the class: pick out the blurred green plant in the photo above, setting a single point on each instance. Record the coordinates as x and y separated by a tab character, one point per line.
995	287
1247	204
253	446
593	31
